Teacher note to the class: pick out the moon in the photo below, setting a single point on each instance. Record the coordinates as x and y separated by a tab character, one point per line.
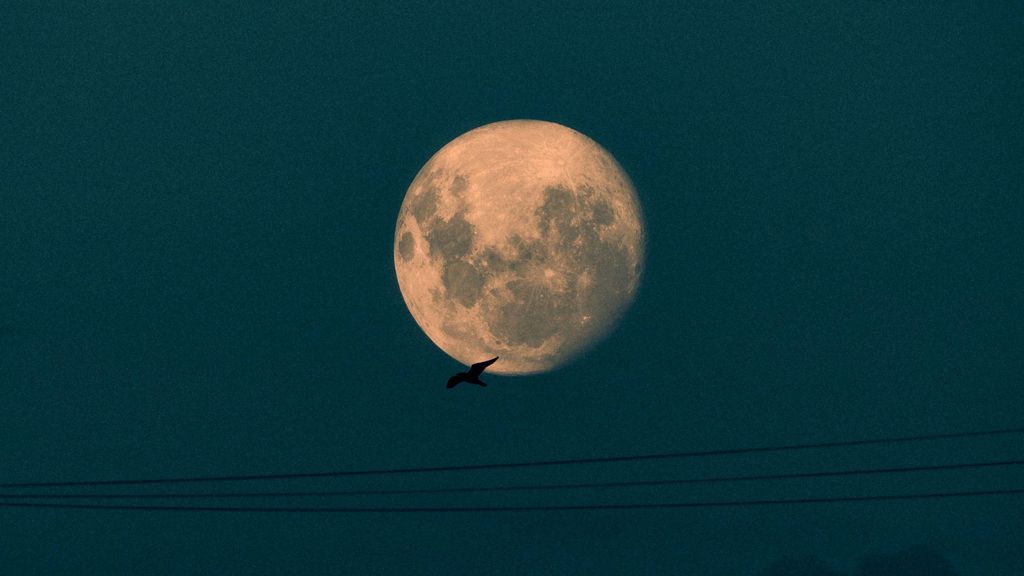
522	239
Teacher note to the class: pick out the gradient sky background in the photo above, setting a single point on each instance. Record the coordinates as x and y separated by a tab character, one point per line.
197	209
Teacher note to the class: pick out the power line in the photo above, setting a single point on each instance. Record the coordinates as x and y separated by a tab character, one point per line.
516	488
440	509
528	464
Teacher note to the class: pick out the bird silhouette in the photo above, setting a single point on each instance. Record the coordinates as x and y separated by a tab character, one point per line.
473	376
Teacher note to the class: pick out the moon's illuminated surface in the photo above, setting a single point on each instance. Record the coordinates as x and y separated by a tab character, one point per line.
521	239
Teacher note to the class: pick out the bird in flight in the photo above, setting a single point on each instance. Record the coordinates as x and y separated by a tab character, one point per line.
473	376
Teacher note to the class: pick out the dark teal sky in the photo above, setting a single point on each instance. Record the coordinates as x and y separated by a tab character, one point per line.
197	208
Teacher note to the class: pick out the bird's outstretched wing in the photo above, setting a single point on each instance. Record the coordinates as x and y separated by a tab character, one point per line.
479	367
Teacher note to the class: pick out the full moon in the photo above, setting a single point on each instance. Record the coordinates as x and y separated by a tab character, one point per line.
521	239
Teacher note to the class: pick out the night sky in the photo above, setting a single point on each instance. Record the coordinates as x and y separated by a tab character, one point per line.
197	211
